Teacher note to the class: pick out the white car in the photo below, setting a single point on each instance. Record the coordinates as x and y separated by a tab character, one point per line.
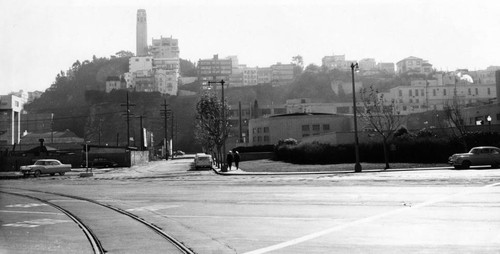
202	160
45	166
481	155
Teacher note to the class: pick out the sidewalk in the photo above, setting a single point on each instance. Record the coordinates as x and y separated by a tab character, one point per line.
236	172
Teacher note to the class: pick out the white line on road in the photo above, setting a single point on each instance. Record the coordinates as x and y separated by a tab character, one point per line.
248	217
6	211
368	219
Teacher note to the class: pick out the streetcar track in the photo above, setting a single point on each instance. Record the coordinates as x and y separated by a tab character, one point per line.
179	245
94	241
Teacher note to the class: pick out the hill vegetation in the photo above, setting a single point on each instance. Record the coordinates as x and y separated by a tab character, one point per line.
79	103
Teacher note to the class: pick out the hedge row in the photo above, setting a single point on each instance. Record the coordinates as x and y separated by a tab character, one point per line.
402	149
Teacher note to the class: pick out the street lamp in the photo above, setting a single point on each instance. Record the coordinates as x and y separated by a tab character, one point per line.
488	118
357	166
223	116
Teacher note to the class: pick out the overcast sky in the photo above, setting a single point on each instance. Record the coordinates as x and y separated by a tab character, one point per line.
40	38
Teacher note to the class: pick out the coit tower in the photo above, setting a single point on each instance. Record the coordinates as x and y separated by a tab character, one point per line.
142	33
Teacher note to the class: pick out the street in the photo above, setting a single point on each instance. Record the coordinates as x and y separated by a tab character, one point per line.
414	211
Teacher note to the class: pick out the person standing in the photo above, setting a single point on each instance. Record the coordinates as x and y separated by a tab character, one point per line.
237	160
229	159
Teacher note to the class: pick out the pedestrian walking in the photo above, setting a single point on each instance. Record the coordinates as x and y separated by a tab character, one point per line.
237	160
229	160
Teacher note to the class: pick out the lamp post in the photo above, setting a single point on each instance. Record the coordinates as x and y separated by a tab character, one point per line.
357	166
223	117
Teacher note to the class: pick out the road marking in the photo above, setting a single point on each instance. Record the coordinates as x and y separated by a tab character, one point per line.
26	205
248	217
151	208
35	223
365	220
6	211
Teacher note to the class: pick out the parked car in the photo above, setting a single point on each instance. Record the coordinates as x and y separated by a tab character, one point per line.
179	153
202	160
481	155
100	163
46	166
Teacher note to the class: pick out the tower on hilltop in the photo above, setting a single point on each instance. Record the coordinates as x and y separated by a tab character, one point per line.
142	33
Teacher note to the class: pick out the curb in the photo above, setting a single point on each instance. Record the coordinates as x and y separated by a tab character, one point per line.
244	173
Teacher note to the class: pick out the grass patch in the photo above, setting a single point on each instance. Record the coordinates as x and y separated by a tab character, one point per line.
279	166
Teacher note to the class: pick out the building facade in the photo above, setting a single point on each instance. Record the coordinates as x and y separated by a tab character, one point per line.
266	131
413	65
282	74
215	68
11	107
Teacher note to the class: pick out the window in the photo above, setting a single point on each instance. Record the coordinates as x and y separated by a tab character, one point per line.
410	92
416	92
468	91
259	139
305	135
444	92
489	91
315	127
305	127
266	129
326	127
342	110
400	93
477	91
259	130
433	92
266	138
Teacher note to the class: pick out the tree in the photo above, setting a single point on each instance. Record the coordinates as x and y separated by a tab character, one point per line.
211	129
453	113
299	65
124	53
382	115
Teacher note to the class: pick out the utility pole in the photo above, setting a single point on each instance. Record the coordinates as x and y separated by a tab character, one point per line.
172	132
240	138
128	105
165	112
142	134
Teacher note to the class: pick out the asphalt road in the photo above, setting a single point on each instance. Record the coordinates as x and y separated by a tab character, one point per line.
415	211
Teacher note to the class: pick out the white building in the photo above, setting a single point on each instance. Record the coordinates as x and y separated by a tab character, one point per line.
140	63
250	77
11	107
421	97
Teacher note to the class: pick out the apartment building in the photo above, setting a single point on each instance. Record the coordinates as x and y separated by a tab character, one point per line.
214	68
413	65
282	74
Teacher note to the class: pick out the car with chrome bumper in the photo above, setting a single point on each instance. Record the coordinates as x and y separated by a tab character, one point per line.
45	166
477	156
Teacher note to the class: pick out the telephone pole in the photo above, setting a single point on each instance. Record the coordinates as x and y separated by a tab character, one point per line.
165	112
172	132
128	114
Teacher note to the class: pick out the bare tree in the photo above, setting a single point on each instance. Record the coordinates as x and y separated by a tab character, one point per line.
210	130
382	115
453	114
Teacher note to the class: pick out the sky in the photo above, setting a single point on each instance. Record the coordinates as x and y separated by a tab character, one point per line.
40	38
